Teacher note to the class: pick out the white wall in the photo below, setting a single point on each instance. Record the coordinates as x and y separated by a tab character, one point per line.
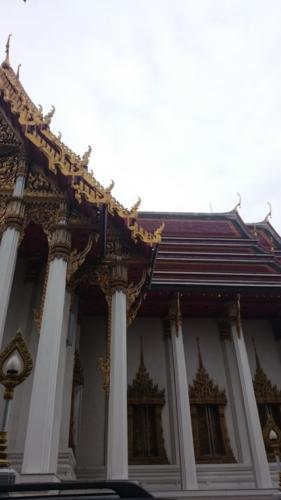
90	450
267	349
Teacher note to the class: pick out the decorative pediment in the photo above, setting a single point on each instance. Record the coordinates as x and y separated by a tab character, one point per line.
265	391
10	146
38	184
9	140
143	390
204	390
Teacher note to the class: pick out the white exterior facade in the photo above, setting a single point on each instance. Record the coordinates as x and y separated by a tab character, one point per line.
89	461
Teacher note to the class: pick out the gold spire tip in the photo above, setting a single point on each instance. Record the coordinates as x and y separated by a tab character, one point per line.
7	52
18	72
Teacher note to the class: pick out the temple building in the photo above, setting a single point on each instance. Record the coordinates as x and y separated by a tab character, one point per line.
155	337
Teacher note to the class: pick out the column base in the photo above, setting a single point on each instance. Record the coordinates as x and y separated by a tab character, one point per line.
37	478
7	476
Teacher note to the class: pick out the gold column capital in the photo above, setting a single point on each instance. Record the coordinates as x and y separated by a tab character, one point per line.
14	216
119	276
60	244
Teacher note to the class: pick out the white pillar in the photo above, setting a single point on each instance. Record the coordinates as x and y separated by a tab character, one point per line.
117	441
259	458
235	395
42	437
186	448
9	249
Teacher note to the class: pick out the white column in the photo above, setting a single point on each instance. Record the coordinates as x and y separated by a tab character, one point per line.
9	249
117	442
68	378
235	395
259	458
42	437
186	448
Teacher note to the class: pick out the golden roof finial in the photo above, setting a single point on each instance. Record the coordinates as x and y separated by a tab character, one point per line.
7	51
110	187
238	205
87	154
18	72
269	214
48	117
135	207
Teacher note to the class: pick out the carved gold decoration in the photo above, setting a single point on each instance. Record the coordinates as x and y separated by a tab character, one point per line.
16	346
144	235
61	158
110	187
7	52
203	392
76	259
45	213
119	276
104	362
4	462
38	184
14	216
268	399
60	243
48	117
269	426
265	391
135	296
134	209
146	396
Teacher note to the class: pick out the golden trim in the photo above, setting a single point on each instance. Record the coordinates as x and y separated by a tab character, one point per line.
18	345
36	128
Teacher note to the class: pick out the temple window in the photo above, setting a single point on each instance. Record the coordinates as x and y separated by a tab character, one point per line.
268	399
208	402
145	433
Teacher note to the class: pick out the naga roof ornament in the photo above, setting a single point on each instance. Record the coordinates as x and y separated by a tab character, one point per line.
269	214
238	204
36	128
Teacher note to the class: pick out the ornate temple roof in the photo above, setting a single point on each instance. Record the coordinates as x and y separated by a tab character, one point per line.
214	249
34	128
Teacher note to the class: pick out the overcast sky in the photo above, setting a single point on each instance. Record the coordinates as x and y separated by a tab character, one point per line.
180	99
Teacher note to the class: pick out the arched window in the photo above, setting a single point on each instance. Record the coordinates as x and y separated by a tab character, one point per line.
207	402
